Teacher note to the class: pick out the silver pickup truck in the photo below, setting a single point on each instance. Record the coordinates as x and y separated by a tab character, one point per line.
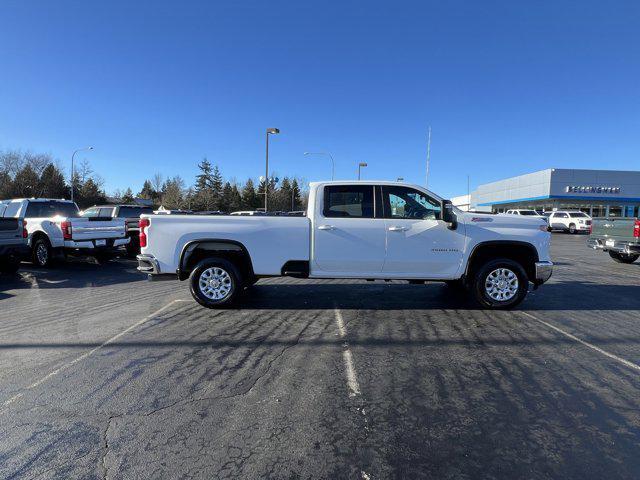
13	244
618	236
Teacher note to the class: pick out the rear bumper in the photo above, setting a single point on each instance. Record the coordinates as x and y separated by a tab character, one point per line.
543	272
149	265
110	243
606	244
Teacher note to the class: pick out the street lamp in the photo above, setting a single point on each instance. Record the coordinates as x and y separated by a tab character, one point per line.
72	171
360	165
400	179
270	131
333	164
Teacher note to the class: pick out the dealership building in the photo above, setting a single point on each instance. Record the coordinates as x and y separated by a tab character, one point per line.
598	193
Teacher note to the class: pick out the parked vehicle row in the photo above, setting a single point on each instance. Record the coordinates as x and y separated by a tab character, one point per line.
55	228
366	230
618	236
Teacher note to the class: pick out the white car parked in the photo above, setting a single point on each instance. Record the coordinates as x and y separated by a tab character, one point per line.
55	227
570	221
367	230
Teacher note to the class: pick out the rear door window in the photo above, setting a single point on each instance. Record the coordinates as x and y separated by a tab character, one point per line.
348	201
105	212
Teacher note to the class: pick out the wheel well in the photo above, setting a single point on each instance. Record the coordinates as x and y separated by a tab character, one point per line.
523	253
198	250
38	235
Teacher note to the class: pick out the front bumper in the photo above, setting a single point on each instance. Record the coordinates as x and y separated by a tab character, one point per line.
543	272
606	244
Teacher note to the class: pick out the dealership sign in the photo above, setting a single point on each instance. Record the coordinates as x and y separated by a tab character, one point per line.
587	189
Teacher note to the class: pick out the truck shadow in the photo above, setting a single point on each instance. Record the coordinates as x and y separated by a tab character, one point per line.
72	274
566	296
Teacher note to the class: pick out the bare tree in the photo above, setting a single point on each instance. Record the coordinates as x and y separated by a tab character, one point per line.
157	182
11	162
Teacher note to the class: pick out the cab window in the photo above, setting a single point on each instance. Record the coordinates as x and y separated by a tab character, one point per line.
348	201
90	212
408	203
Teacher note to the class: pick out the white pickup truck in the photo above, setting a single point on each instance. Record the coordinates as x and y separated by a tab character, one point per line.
367	230
55	227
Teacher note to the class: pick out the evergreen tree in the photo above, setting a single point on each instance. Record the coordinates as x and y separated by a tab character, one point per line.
52	183
216	187
173	193
236	199
127	197
226	198
204	196
250	200
296	194
26	183
147	191
284	195
90	194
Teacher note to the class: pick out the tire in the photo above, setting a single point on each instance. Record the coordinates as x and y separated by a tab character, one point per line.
623	258
41	253
572	228
487	292
9	267
224	287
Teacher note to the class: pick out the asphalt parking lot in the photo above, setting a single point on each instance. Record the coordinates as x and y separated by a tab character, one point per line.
105	375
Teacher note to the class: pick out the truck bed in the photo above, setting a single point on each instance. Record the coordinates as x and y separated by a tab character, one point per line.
270	241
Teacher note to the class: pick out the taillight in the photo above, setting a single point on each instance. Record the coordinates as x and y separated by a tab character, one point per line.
143	223
66	229
25	234
636	229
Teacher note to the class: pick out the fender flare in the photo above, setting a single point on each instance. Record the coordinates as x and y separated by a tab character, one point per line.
500	243
209	244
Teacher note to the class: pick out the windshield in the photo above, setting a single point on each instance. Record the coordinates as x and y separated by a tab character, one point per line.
578	215
528	212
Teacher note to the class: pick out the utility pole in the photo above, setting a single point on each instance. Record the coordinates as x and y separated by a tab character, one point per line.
428	156
270	131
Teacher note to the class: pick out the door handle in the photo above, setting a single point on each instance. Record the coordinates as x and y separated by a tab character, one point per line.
398	229
326	227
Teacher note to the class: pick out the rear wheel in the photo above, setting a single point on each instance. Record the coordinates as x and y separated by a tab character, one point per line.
41	252
623	258
499	284
215	283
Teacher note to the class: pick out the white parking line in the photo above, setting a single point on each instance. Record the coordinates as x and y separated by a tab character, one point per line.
621	360
87	354
350	370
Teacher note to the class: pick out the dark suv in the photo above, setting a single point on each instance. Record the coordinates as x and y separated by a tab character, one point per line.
131	214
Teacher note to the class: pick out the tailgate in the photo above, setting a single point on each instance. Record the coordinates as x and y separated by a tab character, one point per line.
615	228
96	228
10	228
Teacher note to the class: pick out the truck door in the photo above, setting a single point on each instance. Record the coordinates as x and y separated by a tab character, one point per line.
347	238
419	244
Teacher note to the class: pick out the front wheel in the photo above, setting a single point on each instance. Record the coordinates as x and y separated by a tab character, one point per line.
499	284
572	229
623	258
215	283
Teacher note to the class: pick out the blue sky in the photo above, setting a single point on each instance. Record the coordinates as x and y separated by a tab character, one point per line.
508	87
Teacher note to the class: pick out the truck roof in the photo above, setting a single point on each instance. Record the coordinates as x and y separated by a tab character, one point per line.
38	200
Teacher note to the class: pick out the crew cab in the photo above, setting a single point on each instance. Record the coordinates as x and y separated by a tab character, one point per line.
366	230
130	214
570	221
618	236
54	227
13	243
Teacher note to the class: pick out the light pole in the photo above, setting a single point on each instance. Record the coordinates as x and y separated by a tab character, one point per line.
72	171
400	179
360	165
333	164
270	131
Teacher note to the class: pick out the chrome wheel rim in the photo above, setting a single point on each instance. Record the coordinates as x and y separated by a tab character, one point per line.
215	283
42	254
501	284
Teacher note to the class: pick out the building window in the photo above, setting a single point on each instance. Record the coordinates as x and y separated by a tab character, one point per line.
615	211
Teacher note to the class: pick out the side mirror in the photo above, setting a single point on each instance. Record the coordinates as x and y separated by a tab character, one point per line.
448	215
